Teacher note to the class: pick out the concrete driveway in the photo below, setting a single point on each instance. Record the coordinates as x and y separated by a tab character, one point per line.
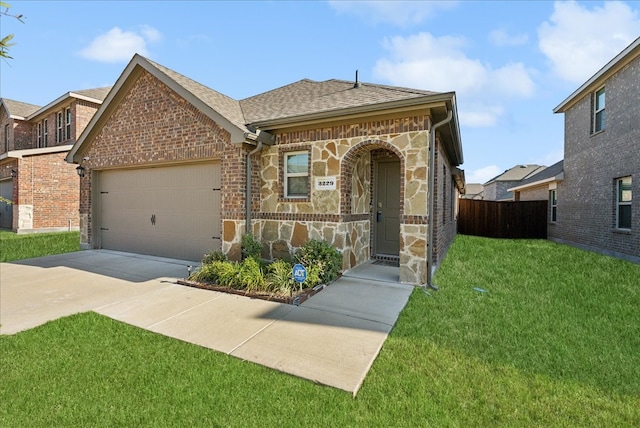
333	338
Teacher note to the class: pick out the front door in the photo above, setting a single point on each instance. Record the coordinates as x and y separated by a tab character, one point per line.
387	208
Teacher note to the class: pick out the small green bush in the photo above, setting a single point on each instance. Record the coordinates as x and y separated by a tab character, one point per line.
280	277
250	246
319	256
206	273
214	256
251	276
227	273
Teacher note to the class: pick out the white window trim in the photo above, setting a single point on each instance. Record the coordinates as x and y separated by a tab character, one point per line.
39	135
596	110
67	123
620	203
553	192
59	133
45	132
295	174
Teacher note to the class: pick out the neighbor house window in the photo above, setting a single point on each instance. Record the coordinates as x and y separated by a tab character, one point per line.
39	137
598	111
59	123
45	132
67	119
553	205
296	176
6	138
623	203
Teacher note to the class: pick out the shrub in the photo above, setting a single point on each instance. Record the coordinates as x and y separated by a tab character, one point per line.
251	276
214	256
227	273
320	255
280	277
206	273
250	246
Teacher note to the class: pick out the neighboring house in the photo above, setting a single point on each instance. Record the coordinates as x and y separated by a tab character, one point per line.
34	176
596	196
497	189
473	191
169	165
540	187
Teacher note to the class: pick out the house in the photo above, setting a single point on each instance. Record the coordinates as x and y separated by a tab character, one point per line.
42	187
594	193
541	186
497	189
473	191
174	168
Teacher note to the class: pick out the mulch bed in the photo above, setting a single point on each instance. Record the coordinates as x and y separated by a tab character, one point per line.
295	299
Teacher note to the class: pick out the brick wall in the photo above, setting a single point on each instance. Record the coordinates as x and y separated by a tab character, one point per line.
445	225
592	162
50	186
154	125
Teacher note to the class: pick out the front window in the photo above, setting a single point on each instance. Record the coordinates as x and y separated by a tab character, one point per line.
6	138
553	205
296	177
67	114
59	135
623	203
598	111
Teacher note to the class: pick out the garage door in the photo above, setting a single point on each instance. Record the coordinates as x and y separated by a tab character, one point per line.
166	211
6	210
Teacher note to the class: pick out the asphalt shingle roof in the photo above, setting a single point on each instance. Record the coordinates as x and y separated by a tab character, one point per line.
517	173
308	97
95	93
18	108
549	172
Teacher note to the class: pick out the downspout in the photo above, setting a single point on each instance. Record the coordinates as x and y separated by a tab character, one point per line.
248	191
431	206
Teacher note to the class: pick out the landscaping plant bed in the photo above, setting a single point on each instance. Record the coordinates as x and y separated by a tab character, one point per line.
294	299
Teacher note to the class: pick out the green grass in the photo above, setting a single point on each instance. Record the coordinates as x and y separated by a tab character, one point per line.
554	341
17	247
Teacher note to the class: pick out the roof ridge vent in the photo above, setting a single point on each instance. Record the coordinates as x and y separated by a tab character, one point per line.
357	83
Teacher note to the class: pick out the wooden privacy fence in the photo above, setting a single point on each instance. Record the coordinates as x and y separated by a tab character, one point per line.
512	220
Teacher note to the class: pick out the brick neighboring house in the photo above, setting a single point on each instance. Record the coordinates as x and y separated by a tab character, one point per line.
43	187
596	196
498	188
167	161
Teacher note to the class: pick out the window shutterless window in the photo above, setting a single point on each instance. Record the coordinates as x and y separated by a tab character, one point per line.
67	115
296	175
59	120
623	203
6	138
39	137
45	132
553	205
598	110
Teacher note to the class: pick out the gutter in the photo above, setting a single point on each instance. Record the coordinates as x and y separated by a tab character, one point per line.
261	138
431	206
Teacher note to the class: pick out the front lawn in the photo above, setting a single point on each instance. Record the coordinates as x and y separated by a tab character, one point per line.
15	246
521	333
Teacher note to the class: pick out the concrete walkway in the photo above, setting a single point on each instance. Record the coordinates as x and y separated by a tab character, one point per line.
332	338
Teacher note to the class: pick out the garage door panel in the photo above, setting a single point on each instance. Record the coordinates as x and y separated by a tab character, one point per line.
166	211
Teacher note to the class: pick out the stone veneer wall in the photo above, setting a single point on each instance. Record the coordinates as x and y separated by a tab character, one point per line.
342	217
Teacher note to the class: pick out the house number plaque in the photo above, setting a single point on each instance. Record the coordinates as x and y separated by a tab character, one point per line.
325	183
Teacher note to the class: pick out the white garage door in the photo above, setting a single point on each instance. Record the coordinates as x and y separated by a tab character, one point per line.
165	211
6	210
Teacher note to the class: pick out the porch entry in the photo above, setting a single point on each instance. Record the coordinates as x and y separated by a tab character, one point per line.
386	208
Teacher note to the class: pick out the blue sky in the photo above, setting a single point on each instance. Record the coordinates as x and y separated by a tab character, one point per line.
510	63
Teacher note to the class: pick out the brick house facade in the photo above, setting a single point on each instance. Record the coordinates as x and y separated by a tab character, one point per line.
597	191
42	187
331	139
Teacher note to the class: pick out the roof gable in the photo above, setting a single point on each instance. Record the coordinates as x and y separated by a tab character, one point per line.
18	109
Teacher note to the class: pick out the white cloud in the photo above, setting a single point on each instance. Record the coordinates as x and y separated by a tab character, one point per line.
117	45
440	64
399	13
482	175
578	41
500	37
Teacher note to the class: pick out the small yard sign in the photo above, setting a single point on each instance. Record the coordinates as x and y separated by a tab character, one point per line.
325	183
299	273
